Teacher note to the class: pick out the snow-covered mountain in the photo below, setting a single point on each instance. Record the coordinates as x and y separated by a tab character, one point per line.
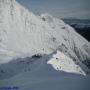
44	41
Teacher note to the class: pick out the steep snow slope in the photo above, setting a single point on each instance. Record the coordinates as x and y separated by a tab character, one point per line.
70	42
24	34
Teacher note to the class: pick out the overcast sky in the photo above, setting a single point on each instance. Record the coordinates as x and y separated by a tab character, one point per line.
60	8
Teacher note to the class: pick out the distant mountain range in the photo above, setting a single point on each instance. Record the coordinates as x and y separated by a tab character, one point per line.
82	26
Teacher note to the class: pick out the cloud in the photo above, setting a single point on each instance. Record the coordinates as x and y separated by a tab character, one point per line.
60	8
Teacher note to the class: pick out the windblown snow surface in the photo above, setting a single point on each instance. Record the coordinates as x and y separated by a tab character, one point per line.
40	52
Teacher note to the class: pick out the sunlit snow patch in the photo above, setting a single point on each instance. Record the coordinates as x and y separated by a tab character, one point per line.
62	62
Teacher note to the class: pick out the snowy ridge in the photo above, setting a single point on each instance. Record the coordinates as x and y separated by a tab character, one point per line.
57	61
64	63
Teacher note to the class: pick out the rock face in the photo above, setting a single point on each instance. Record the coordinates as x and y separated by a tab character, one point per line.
23	33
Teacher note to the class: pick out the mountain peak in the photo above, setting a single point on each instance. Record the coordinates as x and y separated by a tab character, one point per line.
23	33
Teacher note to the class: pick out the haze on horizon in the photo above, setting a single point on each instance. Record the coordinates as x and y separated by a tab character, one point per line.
60	8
